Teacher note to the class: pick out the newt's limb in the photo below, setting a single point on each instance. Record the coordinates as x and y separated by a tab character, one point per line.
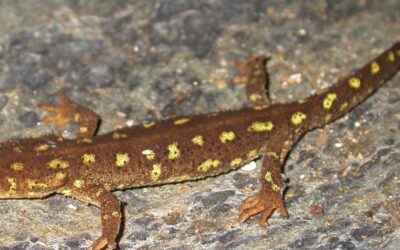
269	198
256	79
110	213
67	111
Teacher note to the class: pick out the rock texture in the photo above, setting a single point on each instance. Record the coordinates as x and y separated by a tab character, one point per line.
136	61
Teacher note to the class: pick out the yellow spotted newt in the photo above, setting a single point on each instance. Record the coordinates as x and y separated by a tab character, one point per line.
180	149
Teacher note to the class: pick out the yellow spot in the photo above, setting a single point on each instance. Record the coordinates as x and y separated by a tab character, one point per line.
41	147
298	118
227	136
268	177
156	172
173	151
88	159
374	68
150	155
328	117
355	83
205	166
83	129
391	57
77	117
252	154
181	121
121	159
60	175
117	135
236	162
328	101
86	140
260	126
115	214
149	125
13	185
18	149
255	97
275	187
98	193
302	101
198	140
17	166
273	155
262	107
58	163
343	106
66	192
33	184
79	183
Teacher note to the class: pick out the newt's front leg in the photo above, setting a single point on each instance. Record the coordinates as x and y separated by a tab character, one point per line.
110	214
68	111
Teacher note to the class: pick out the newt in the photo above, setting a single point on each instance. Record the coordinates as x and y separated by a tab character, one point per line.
179	149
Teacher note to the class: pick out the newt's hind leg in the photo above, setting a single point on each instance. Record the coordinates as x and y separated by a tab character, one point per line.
256	79
67	111
110	213
270	196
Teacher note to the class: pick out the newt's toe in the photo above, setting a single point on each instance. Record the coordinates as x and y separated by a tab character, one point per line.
263	204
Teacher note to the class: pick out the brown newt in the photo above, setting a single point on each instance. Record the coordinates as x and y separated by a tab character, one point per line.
180	149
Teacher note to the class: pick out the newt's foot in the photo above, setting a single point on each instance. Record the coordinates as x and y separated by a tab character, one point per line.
262	203
67	111
103	243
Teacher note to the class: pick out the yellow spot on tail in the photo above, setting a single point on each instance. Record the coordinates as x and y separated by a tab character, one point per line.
236	162
262	107
260	126
115	214
149	125
268	177
173	151
374	68
275	187
391	57
255	97
86	140
328	101
156	172
328	117
198	140
205	166
79	183
41	147
88	159
181	121
227	136
355	83
121	160
302	101
150	155
17	166
83	129
298	118
33	184
117	135
58	163
66	192
12	185
18	149
343	106
60	175
252	154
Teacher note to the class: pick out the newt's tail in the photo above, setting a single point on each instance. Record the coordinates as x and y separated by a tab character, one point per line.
352	90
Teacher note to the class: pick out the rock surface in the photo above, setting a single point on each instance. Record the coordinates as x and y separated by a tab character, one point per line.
136	61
